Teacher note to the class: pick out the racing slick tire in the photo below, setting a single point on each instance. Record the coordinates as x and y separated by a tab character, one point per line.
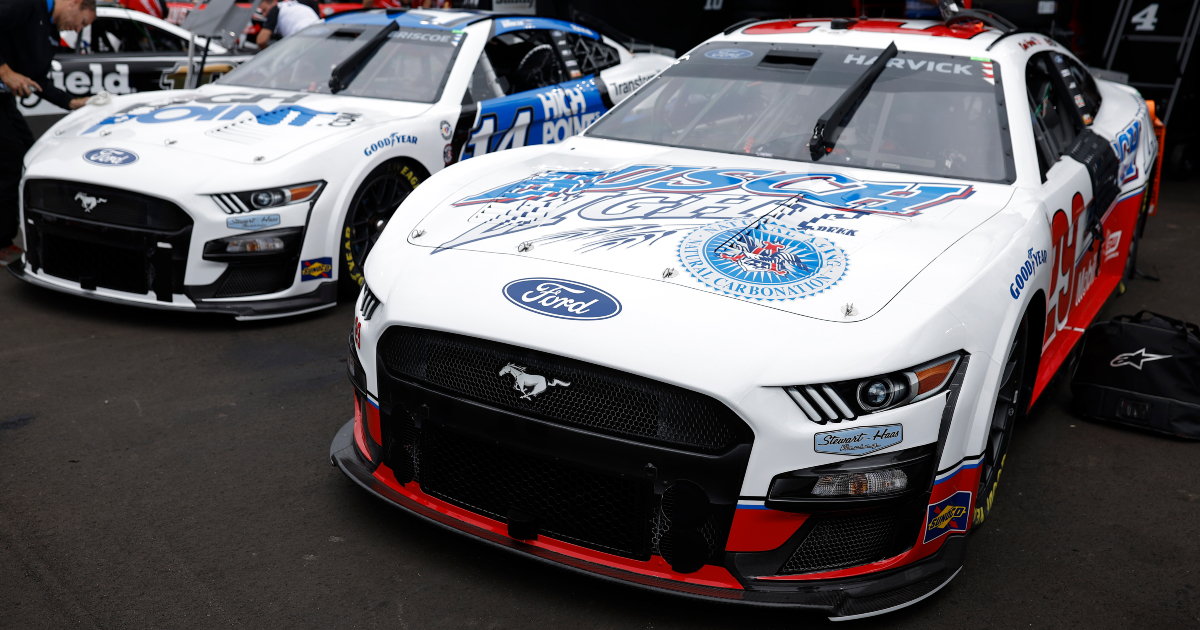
1012	405
372	206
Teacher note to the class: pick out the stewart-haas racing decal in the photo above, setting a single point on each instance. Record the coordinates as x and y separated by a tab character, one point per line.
691	197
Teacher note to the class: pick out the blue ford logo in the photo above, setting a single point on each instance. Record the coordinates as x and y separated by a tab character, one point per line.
110	157
729	53
561	298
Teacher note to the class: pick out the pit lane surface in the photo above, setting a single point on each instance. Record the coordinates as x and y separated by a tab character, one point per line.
171	471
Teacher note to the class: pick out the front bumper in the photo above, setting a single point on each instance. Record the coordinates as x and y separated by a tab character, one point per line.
845	598
324	296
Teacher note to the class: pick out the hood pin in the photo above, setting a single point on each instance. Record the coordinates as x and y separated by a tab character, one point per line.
669	273
169	141
524	247
849	311
418	233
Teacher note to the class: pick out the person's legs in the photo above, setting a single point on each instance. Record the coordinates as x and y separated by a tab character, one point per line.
15	138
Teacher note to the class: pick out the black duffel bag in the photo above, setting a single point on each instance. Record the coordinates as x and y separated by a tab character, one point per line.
1142	371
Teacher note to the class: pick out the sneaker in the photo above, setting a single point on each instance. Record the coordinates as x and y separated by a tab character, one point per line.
10	254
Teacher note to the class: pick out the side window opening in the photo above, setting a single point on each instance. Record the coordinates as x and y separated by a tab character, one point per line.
592	55
1087	84
524	60
1048	105
484	82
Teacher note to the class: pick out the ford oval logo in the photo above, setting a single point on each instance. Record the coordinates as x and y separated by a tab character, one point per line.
110	157
561	298
728	53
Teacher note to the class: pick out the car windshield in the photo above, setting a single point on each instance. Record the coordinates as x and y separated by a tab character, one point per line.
925	114
411	65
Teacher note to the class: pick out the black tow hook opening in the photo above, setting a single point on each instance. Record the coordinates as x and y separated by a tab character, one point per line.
522	525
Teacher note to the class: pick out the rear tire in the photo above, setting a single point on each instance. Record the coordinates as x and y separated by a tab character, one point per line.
1012	403
371	209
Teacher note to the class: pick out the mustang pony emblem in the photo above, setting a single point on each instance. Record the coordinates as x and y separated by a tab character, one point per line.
89	202
529	385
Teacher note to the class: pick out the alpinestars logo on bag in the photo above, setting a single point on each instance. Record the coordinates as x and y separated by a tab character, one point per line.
530	385
1136	359
947	515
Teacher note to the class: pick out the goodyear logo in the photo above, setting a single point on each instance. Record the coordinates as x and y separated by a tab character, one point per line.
317	268
947	515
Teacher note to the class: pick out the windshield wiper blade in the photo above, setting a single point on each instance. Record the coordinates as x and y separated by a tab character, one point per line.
341	72
830	125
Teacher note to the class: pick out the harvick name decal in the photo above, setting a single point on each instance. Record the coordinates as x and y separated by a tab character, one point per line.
761	260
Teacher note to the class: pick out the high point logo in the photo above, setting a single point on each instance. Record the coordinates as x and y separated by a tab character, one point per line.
224	107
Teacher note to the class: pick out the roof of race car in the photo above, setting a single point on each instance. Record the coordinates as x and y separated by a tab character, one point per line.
930	28
454	19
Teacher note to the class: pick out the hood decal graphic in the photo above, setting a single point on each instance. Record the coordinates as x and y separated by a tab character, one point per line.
667	193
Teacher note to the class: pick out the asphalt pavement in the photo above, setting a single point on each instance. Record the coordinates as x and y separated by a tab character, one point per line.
164	470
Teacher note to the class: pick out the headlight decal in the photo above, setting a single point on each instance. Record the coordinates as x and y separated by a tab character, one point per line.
850	400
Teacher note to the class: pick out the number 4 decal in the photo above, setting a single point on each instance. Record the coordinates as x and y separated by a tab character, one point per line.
1146	18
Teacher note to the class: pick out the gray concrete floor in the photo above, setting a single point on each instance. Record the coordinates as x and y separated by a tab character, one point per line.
171	471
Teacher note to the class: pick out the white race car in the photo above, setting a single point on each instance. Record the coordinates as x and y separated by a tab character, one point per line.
762	332
254	195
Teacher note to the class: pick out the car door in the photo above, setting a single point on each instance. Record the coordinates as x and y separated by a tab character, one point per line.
1059	130
515	87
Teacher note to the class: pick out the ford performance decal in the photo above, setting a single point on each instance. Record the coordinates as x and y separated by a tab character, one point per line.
563	299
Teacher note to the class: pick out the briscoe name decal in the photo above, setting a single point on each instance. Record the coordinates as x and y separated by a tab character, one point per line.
563	299
947	515
395	138
1027	271
761	260
684	193
859	440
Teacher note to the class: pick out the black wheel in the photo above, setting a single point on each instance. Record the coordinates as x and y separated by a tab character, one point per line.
1012	402
370	210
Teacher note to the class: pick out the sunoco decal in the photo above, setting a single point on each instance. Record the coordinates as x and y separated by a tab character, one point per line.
316	269
562	299
859	440
761	260
948	515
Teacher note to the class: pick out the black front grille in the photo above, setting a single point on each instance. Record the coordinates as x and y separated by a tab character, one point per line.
593	510
843	541
111	206
110	267
597	398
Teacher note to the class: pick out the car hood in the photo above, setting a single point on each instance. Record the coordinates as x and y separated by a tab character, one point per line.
810	239
243	125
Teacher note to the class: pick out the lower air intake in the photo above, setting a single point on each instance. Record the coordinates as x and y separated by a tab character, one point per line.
843	541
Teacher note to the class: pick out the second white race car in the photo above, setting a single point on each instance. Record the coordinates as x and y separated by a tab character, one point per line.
255	195
763	331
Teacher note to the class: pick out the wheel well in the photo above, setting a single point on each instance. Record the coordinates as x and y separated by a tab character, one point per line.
1036	312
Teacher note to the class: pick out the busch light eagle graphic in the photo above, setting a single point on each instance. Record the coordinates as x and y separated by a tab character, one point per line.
761	260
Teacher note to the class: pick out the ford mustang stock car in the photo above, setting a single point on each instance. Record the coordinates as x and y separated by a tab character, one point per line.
254	195
763	331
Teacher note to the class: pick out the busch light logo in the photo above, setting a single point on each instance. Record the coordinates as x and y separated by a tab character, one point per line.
761	260
726	54
947	515
561	298
859	440
110	157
